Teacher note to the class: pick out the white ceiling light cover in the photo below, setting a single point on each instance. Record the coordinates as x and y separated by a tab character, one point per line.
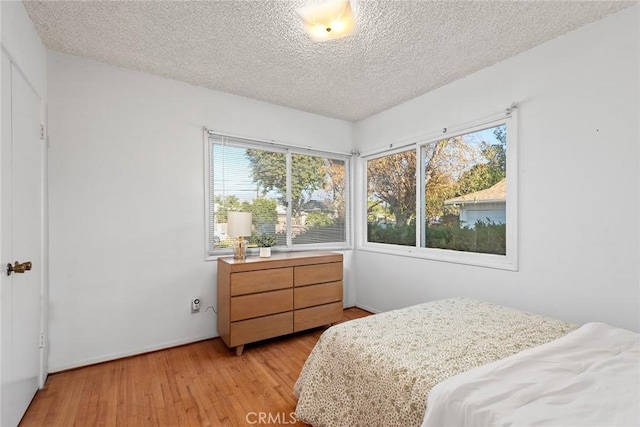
327	21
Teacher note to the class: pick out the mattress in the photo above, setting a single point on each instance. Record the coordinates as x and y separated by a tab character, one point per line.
378	370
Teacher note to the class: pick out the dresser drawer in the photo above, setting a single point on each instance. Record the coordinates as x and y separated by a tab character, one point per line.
317	316
250	282
262	304
308	296
317	273
261	328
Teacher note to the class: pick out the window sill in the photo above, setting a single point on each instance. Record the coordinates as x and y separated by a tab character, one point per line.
255	251
499	262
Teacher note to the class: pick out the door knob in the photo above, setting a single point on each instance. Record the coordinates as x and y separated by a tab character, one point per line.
18	267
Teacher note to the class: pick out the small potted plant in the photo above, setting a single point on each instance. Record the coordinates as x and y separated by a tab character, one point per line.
264	242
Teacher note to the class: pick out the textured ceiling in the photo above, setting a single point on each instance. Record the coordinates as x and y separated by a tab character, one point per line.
257	49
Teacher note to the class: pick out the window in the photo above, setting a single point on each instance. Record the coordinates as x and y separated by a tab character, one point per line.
391	199
449	198
301	197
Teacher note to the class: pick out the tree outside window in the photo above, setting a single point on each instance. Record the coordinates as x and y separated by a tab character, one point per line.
391	199
463	194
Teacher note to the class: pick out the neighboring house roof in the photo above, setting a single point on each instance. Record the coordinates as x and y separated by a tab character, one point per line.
496	193
314	206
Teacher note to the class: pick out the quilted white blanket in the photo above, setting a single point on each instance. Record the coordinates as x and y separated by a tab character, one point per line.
590	377
378	370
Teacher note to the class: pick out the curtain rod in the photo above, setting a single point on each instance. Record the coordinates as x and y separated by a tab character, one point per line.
275	143
508	112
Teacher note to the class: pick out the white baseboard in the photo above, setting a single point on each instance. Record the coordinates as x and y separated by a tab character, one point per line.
114	356
163	346
364	307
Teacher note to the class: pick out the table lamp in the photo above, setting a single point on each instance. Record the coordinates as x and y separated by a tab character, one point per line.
239	226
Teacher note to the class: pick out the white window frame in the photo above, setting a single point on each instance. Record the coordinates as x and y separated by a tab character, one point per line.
503	262
289	150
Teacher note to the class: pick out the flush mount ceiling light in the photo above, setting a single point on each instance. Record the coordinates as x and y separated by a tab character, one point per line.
327	21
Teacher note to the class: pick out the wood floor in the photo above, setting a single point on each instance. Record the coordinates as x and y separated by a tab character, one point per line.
200	384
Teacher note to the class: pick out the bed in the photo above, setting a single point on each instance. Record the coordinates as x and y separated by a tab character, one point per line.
589	377
379	370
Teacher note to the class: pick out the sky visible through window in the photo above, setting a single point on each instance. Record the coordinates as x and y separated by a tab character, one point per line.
232	173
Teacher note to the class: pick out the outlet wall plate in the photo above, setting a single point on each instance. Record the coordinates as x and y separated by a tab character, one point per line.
195	305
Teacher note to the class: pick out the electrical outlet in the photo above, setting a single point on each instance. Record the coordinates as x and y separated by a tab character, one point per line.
195	305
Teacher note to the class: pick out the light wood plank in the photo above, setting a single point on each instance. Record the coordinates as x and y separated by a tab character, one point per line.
197	384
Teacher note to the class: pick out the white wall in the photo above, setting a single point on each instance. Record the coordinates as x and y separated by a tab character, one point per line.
22	43
579	180
127	204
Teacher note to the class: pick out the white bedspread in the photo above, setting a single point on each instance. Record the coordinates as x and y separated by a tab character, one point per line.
589	377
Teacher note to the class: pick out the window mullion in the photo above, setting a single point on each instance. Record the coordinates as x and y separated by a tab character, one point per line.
421	191
288	196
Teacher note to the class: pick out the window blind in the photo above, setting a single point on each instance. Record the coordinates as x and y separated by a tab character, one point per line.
300	197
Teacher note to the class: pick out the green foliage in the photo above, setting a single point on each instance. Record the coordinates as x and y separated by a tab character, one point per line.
318	219
265	240
376	211
491	238
493	169
263	211
391	234
438	190
479	177
496	155
226	204
485	237
308	174
224	243
391	183
500	133
269	171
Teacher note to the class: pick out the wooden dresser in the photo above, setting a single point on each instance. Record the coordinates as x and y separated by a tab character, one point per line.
260	298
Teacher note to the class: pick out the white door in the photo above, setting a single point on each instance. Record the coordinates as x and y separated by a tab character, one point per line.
22	224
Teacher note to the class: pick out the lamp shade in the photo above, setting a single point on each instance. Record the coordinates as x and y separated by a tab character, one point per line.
239	224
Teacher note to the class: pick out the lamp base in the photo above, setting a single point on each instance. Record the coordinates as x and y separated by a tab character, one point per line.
240	248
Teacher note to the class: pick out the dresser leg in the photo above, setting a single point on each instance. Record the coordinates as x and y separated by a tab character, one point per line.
239	350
